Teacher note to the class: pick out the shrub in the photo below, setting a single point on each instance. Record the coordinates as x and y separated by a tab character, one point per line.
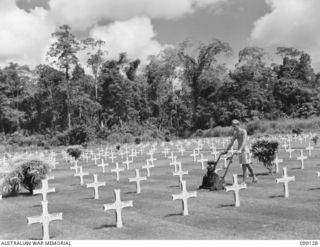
74	151
137	140
26	172
114	138
265	150
315	139
297	131
256	126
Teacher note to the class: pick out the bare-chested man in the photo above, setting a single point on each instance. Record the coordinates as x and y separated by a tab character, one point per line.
243	150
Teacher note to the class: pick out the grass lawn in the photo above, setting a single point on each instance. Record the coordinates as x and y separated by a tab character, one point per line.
264	212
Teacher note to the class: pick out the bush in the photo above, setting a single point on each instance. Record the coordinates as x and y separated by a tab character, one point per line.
26	173
256	126
74	151
315	139
75	136
265	150
137	140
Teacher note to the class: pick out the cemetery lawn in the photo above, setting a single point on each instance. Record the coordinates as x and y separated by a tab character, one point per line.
263	214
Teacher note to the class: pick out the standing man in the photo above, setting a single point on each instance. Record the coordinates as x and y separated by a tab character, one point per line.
243	150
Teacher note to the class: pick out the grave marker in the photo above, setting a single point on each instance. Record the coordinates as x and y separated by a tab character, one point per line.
202	160
117	170
118	205
103	165
184	196
148	166
302	158
45	188
95	185
137	179
285	180
81	174
44	219
236	188
309	148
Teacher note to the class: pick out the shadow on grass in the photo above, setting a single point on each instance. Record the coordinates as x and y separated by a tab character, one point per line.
173	186
313	189
226	205
131	192
296	168
176	214
278	196
263	174
105	226
22	194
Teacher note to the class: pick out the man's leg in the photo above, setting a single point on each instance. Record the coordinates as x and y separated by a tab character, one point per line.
254	178
244	173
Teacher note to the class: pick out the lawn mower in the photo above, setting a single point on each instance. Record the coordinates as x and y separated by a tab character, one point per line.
211	180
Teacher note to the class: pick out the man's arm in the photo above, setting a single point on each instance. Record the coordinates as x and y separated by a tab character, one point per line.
230	145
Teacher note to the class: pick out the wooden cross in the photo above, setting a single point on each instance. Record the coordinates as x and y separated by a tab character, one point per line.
127	163
75	166
181	150
117	170
215	153
95	159
118	206
302	158
171	156
290	150
45	188
81	174
44	219
194	155
137	179
285	180
236	188
309	148
175	164
112	157
148	166
103	165
184	196
277	161
151	160
202	160
180	173
96	186
165	152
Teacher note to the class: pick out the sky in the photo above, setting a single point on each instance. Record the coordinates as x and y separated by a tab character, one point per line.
144	27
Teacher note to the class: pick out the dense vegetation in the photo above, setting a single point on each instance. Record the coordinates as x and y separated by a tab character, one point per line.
179	91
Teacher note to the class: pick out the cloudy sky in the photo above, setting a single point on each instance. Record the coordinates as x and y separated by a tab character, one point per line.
144	27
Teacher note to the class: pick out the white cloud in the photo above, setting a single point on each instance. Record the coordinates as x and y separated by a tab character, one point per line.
81	14
290	23
136	37
22	34
25	36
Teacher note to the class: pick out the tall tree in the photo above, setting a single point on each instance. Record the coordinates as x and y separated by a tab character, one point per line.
63	52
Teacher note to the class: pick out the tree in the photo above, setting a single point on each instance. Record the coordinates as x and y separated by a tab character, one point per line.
63	52
195	65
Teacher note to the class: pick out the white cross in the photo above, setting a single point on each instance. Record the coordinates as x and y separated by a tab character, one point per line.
117	170
148	166
302	158
95	159
81	174
184	196
309	148
171	156
127	163
103	165
215	153
137	179
45	188
180	173
285	145
165	152
175	164
75	166
277	161
232	151
118	206
290	150
44	219
202	160
112	157
96	186
194	155
224	158
151	160
285	180
236	188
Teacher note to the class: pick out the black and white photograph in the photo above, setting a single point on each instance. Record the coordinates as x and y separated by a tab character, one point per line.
159	120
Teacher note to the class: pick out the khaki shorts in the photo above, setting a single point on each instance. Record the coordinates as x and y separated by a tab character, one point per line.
244	156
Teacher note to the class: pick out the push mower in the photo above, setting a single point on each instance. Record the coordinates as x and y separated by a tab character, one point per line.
211	180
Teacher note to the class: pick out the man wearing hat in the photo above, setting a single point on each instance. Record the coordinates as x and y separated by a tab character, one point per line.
240	135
